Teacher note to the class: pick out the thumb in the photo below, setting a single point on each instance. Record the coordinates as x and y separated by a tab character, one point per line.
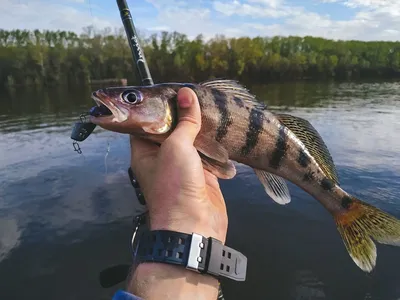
189	116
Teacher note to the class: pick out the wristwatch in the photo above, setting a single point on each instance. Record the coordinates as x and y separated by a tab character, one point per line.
192	251
140	220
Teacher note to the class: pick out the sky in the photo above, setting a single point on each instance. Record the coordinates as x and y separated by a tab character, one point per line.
334	19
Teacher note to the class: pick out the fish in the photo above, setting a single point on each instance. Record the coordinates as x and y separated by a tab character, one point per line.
279	147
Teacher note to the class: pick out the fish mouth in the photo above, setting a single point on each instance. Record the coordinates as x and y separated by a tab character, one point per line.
106	110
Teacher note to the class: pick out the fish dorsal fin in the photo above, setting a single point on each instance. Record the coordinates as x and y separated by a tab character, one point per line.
274	186
309	136
230	87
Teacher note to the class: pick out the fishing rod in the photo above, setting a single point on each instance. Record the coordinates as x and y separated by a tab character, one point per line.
133	41
84	128
118	273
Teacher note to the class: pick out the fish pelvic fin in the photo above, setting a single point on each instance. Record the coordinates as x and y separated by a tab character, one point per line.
274	186
362	224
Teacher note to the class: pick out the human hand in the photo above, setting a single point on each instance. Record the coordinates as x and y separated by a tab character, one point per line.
180	194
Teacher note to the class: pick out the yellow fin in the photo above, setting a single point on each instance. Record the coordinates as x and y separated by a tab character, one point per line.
362	223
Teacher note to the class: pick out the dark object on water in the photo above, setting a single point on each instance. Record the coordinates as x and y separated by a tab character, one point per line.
113	275
118	273
82	129
97	111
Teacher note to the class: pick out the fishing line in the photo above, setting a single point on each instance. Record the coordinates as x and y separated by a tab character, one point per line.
105	157
90	8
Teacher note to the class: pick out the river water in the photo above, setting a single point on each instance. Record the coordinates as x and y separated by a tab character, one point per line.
64	217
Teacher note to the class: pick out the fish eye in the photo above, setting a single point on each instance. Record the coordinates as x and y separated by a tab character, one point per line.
132	97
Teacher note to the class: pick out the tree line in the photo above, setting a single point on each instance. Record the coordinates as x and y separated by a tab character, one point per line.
60	57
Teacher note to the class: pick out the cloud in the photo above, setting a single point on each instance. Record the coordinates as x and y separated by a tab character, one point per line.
336	19
372	20
271	3
371	4
187	17
270	10
54	15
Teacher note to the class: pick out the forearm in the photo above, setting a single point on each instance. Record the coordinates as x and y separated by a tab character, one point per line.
162	281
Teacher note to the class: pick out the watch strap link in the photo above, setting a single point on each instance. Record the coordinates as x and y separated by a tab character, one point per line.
164	246
195	252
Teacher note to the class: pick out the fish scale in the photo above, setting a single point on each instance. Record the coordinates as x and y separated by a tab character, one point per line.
279	148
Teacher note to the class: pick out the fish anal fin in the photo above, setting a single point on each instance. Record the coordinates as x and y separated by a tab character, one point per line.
274	186
313	141
225	170
360	224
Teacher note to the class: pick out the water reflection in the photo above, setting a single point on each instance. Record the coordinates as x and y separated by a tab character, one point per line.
9	236
64	216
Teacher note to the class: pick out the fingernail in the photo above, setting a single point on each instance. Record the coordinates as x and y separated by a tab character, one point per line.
185	100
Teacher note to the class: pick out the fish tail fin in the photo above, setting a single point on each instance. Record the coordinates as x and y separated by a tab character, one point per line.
362	223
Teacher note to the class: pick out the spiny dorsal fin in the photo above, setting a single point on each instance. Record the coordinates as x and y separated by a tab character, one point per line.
313	142
230	87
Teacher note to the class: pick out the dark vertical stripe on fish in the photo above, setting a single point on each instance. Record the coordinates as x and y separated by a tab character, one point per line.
303	159
309	176
327	184
200	93
225	119
346	202
238	101
256	120
280	148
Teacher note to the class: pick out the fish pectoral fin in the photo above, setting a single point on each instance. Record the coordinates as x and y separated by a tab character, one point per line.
274	186
225	170
211	148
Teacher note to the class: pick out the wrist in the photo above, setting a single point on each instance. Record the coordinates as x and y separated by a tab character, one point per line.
155	277
156	280
208	225
164	281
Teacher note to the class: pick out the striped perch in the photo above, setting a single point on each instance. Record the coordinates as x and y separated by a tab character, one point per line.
279	147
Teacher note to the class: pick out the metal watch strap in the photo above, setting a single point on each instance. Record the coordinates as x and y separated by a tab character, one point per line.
195	252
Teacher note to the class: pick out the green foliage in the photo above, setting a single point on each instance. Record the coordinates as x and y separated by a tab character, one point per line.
59	57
